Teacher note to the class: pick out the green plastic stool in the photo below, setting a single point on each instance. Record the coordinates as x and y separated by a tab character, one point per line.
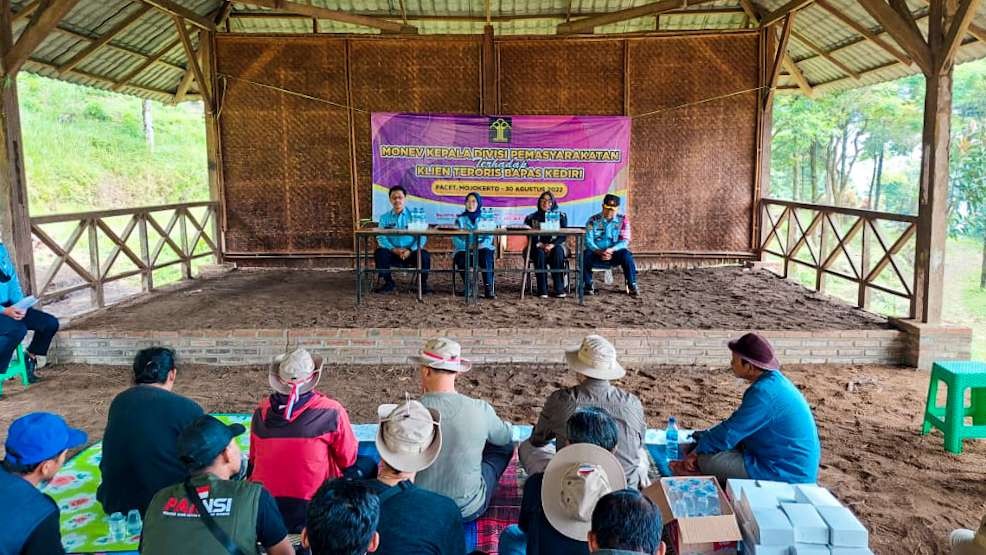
15	368
950	419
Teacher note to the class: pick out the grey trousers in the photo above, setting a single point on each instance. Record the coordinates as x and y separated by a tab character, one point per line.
723	465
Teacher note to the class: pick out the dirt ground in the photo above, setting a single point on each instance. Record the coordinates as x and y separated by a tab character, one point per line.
709	298
905	488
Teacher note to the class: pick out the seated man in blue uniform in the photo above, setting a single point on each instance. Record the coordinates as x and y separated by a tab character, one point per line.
14	322
399	250
607	241
771	436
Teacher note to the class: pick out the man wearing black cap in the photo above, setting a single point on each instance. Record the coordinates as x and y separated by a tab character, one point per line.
607	241
36	445
210	512
771	436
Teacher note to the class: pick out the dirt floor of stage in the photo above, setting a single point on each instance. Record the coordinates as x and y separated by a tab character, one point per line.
905	488
709	298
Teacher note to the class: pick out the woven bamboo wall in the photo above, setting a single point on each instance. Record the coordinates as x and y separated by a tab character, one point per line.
288	160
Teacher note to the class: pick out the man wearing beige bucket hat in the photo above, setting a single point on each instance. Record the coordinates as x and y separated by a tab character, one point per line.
412	520
595	365
299	437
477	446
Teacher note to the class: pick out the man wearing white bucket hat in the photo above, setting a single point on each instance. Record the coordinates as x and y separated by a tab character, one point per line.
299	437
477	444
595	365
412	520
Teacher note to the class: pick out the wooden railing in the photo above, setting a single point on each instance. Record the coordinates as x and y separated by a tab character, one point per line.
118	244
873	250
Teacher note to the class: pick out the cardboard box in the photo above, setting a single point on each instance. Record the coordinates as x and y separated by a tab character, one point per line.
845	530
809	528
735	486
698	535
750	546
817	496
783	492
771	527
810	549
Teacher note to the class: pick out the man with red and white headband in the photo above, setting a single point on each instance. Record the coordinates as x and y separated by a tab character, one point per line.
299	436
477	444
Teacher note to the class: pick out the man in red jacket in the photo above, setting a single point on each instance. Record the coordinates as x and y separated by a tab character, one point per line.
299	437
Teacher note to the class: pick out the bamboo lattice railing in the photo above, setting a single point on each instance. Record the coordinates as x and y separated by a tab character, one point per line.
152	238
873	250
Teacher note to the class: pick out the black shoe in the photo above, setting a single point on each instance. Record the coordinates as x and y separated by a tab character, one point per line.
387	287
426	290
488	293
30	365
632	290
590	290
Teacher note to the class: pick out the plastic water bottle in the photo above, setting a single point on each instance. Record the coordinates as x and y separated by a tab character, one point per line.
134	523
118	527
671	439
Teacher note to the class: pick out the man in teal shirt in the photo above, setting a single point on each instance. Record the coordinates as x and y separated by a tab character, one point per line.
399	250
607	244
16	321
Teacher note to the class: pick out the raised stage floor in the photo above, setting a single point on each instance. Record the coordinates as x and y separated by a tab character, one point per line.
682	317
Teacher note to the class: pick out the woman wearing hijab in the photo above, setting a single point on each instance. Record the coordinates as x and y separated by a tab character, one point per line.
547	250
468	220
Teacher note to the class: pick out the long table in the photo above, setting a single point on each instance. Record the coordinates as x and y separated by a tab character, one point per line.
472	270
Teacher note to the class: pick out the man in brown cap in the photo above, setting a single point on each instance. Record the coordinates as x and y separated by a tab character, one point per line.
771	436
412	520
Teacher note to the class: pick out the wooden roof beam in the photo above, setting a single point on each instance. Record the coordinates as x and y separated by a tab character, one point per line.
120	27
335	15
821	52
147	63
789	8
864	31
959	26
193	61
753	13
37	30
775	68
26	11
902	32
587	24
975	30
222	14
252	14
111	84
177	10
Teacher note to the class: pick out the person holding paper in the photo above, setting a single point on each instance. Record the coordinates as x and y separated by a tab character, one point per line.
18	317
467	220
548	251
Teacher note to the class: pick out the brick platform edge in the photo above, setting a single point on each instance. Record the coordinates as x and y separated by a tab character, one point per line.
927	343
393	345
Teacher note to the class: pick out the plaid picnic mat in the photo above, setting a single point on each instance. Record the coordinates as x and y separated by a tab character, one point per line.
484	533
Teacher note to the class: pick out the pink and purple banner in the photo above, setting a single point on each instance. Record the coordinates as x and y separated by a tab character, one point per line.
509	160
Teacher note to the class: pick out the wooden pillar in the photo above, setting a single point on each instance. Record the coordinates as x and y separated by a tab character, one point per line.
488	78
15	223
929	263
764	126
212	139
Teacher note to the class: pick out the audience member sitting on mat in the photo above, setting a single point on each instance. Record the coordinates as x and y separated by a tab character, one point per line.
412	520
539	509
547	251
607	241
35	450
299	437
139	445
342	519
477	444
771	436
595	365
467	220
399	250
212	508
967	542
626	522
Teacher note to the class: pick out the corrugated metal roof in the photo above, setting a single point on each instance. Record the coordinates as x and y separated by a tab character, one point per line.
116	64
